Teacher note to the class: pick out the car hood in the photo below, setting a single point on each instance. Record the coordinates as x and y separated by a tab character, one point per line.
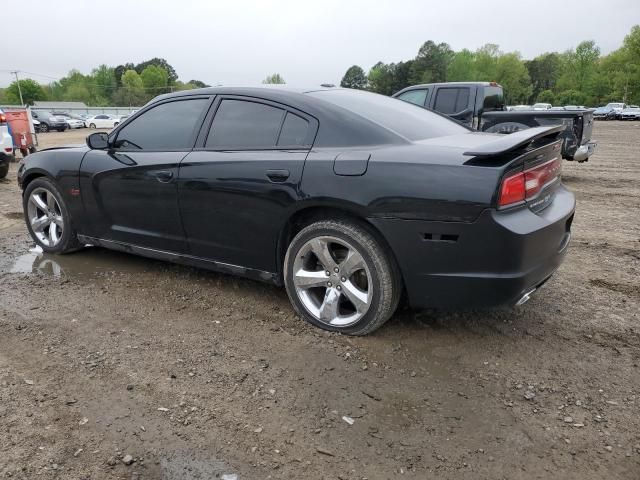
74	147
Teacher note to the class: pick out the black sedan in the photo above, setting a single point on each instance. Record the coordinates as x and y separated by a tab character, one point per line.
351	200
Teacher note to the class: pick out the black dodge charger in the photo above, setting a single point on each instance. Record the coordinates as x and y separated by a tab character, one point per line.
350	199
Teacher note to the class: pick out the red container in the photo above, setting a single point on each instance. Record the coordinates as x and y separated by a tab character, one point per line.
20	127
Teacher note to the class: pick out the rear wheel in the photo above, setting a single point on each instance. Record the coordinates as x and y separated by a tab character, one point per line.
44	127
48	219
339	278
92	125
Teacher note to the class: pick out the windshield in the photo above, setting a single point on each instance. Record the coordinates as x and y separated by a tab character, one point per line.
406	119
615	105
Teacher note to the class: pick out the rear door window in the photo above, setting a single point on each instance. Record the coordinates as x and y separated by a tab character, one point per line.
418	96
451	100
294	132
241	124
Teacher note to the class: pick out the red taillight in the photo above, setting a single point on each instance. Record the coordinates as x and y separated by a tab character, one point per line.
525	185
512	190
3	119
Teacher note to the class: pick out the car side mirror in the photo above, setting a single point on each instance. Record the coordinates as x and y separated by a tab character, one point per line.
98	141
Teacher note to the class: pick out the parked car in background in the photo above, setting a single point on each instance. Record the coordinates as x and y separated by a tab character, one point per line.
350	199
556	109
631	113
519	108
542	106
6	146
480	106
49	121
102	121
574	107
72	121
124	117
604	113
617	108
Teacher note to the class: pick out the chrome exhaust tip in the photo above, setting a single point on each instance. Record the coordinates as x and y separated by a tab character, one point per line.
525	298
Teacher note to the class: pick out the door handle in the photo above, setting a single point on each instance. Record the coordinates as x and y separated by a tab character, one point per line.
164	176
278	176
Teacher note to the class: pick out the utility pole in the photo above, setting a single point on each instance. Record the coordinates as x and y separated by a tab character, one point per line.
19	89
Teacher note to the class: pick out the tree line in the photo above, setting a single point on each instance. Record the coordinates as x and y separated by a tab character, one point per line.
579	76
125	85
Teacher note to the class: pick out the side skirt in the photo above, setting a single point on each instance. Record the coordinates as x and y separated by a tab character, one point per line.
183	259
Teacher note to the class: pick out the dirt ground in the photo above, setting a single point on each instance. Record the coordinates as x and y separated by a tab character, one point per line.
113	366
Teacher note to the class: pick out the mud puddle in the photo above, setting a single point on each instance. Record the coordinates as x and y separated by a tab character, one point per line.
91	262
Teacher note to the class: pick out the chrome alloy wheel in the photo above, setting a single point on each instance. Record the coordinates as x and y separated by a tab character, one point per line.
333	281
45	217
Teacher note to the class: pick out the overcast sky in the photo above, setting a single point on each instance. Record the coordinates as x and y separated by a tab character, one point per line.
308	43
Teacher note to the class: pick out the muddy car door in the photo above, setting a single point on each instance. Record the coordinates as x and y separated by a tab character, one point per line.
129	190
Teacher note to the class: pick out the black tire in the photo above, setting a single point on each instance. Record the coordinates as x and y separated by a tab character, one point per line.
69	239
32	149
116	124
4	170
385	282
92	125
44	128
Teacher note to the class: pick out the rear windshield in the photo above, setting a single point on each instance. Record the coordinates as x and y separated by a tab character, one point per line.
406	119
493	98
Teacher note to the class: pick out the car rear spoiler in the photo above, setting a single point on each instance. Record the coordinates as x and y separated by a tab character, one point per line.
513	141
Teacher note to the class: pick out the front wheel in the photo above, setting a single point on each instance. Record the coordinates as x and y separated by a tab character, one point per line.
44	128
92	125
339	278
48	219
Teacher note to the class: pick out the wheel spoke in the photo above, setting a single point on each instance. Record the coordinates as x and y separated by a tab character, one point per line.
329	307
57	219
308	279
38	224
51	202
321	250
53	233
357	297
38	202
351	264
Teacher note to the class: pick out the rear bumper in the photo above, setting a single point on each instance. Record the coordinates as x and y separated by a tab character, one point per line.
493	261
584	152
5	158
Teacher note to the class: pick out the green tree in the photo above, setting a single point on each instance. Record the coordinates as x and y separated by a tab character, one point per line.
30	89
162	63
354	78
103	82
276	78
546	96
486	62
380	78
154	80
513	76
462	67
197	84
431	63
544	71
132	91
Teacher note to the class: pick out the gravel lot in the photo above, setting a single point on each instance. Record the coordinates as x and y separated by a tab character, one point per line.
113	366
